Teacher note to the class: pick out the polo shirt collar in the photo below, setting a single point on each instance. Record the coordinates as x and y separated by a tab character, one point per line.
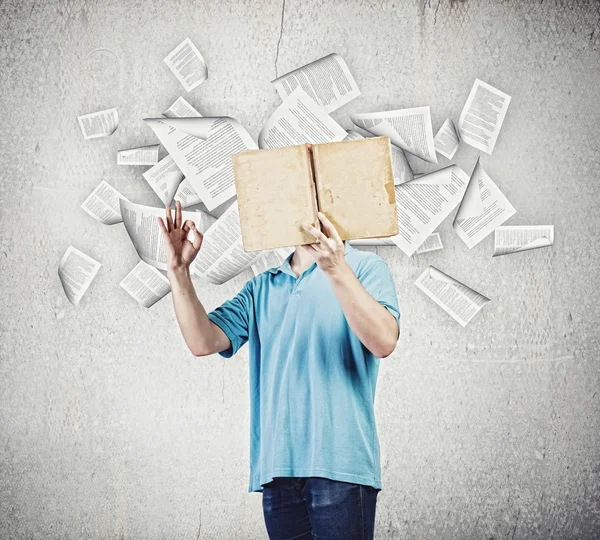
285	265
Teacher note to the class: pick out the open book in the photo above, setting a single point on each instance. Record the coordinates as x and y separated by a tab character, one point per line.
351	182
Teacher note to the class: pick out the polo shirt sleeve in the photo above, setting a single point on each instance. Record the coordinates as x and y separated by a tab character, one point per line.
233	318
376	278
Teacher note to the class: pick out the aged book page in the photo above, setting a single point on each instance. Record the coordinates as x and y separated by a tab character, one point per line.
275	194
355	187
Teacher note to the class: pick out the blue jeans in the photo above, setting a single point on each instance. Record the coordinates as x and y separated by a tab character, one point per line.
315	507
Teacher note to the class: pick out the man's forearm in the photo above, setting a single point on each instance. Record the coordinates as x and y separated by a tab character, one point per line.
195	325
372	323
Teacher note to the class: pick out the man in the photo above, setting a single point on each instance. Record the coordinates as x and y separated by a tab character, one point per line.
316	326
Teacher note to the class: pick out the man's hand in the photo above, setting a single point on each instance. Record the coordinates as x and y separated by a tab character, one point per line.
329	250
180	251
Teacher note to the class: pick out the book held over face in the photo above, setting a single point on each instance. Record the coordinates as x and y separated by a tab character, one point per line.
351	182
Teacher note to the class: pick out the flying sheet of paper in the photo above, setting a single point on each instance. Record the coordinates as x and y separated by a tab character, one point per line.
187	64
164	178
446	140
186	194
371	242
143	155
146	284
202	148
181	109
400	166
103	204
519	238
299	120
409	129
425	202
98	124
222	254
455	298
327	81
432	243
482	116
142	226
76	272
273	257
482	209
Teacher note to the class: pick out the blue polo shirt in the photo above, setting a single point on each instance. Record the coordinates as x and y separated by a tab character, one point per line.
312	381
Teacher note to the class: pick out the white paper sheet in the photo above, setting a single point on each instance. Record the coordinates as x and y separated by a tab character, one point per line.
482	209
142	155
222	254
187	64
146	284
455	298
447	140
181	109
186	194
202	148
400	166
482	116
423	203
372	242
76	272
327	81
103	204
432	243
519	238
409	129
142	226
299	120
98	124
273	257
164	179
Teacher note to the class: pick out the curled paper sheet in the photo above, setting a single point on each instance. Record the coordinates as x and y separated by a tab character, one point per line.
519	238
146	284
142	155
103	204
447	139
423	203
483	208
187	64
455	298
409	129
76	272
202	148
98	124
299	119
327	81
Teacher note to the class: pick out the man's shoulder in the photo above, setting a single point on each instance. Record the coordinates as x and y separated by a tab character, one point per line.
361	261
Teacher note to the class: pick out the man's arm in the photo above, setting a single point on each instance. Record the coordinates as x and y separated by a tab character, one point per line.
201	335
373	324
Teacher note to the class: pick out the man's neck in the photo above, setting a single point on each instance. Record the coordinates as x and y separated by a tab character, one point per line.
301	260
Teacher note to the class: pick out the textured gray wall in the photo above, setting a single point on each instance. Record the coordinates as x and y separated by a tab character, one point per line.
110	428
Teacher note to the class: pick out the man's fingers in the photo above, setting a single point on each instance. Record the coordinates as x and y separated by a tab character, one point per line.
197	237
315	232
329	227
170	226
178	218
187	225
161	224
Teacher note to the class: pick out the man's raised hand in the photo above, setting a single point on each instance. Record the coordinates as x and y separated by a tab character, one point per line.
180	251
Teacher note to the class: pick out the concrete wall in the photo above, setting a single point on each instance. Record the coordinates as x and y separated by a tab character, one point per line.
110	428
